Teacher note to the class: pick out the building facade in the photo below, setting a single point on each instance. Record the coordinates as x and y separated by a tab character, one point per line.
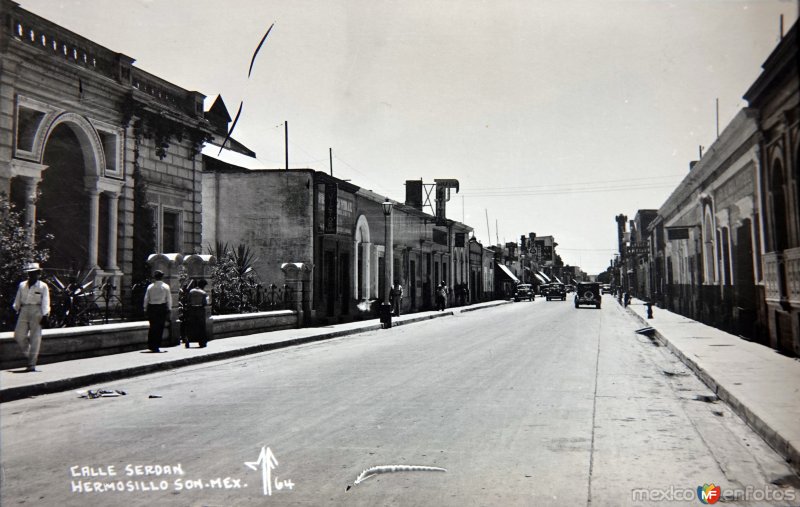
104	154
774	95
725	246
704	236
337	228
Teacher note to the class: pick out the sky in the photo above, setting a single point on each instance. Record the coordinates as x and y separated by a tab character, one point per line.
555	116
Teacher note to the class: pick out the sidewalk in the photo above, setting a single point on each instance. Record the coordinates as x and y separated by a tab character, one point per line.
758	383
66	375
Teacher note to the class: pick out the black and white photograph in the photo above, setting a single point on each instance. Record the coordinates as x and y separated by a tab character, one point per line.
410	253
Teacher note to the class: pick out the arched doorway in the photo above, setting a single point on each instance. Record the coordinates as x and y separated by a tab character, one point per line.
362	259
63	202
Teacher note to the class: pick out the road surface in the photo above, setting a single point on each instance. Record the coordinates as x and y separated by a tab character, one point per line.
532	403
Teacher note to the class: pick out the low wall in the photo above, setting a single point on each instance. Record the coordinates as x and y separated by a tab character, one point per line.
226	326
64	344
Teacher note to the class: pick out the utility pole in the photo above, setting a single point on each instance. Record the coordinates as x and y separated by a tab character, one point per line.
286	141
488	230
621	221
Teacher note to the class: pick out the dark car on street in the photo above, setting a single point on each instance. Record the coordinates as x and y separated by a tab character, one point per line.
587	294
523	291
556	291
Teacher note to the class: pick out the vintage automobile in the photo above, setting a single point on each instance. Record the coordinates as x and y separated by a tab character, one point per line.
587	294
556	291
606	289
543	288
523	291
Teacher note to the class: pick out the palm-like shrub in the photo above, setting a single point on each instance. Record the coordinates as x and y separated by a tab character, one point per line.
233	280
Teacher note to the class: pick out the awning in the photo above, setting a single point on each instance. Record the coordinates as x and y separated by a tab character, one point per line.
504	269
557	280
231	157
540	277
545	277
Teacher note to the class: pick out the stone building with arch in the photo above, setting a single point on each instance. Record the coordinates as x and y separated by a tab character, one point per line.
104	153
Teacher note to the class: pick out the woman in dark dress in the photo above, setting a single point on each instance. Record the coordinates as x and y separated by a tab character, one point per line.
196	314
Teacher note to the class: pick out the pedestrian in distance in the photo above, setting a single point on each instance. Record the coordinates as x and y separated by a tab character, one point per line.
157	306
397	298
32	304
441	296
195	314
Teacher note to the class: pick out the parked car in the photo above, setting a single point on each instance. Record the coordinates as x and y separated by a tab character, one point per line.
587	294
556	291
569	288
606	289
524	291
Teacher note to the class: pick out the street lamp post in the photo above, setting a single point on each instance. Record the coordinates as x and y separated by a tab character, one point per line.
386	309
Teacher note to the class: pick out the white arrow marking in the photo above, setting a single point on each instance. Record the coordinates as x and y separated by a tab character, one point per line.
268	462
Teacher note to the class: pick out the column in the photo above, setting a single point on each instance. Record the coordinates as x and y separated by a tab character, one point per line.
388	259
366	266
297	278
30	207
94	224
113	211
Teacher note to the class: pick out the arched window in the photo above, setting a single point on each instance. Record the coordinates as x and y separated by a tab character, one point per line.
709	255
780	232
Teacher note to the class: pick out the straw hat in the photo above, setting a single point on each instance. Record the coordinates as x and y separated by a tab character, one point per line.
31	266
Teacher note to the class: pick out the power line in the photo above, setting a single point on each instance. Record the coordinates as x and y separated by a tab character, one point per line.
567	191
600	182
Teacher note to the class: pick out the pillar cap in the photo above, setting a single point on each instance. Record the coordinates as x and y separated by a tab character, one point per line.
205	259
170	258
300	267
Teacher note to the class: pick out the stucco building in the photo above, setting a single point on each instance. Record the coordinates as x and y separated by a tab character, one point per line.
335	227
703	261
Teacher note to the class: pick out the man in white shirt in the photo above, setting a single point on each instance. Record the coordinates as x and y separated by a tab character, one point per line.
32	303
157	306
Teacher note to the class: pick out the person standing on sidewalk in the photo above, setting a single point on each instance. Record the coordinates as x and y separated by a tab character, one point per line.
32	303
157	306
397	298
441	296
196	314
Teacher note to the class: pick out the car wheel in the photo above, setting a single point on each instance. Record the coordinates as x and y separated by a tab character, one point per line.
598	306
576	304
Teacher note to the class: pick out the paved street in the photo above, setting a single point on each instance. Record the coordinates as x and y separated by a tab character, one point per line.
523	404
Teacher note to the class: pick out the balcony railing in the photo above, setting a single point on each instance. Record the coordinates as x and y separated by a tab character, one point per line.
771	272
786	265
792	261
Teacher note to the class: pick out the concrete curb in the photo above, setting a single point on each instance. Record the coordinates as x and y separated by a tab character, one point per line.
473	309
17	393
780	444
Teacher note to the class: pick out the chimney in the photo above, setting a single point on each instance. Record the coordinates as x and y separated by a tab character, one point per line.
692	164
